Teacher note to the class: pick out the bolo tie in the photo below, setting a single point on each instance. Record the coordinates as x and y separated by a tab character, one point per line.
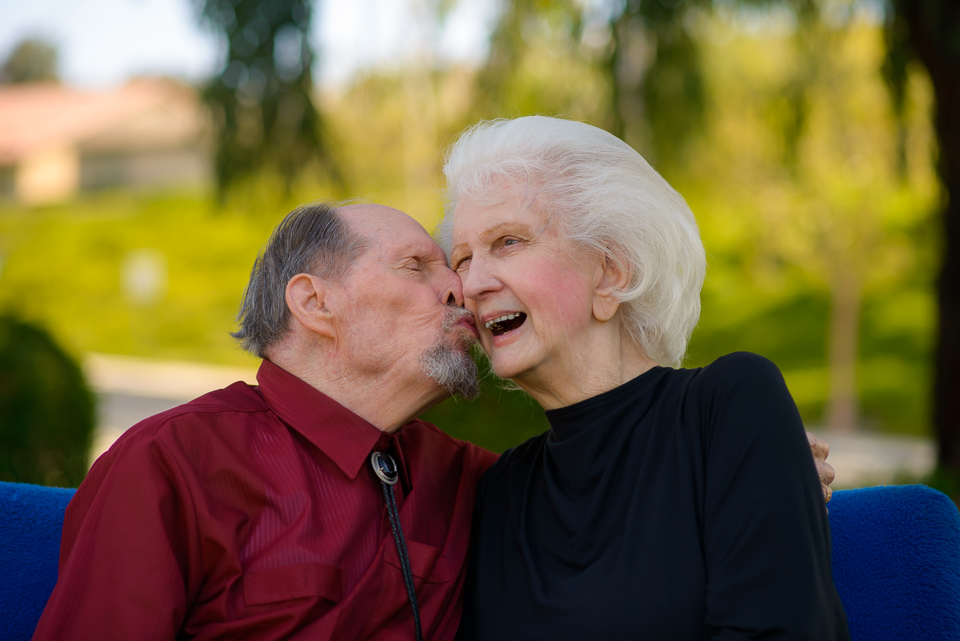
386	470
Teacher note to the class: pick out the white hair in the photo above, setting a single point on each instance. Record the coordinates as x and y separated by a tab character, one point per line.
606	197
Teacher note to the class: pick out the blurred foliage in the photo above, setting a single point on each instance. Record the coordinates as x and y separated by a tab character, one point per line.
30	61
837	220
542	60
262	100
647	60
500	418
920	32
942	478
63	267
46	409
392	138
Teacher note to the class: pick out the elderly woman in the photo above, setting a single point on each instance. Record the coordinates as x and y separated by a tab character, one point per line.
662	503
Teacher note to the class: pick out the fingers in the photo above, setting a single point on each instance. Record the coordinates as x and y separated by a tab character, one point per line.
826	472
821	450
819	447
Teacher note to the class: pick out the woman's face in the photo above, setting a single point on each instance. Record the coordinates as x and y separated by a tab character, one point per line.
529	289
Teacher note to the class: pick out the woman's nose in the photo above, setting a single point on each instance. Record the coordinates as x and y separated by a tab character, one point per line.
477	279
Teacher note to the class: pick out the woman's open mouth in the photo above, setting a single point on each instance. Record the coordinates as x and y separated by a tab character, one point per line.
505	323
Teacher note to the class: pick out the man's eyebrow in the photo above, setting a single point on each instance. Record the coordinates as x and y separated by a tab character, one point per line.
419	251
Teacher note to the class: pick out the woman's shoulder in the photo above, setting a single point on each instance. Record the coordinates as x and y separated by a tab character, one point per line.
739	364
521	455
738	384
741	394
738	372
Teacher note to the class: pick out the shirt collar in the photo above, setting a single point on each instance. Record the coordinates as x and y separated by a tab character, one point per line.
339	433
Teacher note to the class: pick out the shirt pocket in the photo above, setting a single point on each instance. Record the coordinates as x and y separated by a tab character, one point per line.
297	581
426	562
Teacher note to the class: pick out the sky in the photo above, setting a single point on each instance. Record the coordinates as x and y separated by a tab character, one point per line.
103	42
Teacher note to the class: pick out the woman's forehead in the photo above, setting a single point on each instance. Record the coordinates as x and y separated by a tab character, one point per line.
508	219
502	190
518	206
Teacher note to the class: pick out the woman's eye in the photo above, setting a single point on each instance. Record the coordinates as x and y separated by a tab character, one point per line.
462	265
507	242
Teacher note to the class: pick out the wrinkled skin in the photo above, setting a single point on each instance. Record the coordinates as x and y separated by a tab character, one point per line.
821	450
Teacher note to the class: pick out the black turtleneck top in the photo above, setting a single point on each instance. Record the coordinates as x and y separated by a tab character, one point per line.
682	505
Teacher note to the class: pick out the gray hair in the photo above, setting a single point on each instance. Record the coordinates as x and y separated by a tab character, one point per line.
452	368
310	239
605	196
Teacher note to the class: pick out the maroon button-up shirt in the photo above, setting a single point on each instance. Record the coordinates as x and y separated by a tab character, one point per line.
253	513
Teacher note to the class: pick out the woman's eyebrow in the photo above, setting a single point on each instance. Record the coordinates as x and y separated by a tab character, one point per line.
504	227
500	229
493	232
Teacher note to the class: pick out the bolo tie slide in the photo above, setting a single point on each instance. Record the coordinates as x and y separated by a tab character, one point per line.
386	470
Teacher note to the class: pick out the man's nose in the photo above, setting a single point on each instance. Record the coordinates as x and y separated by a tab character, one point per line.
452	289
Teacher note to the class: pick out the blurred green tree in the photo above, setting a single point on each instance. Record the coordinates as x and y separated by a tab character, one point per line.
46	409
30	61
928	32
826	204
262	100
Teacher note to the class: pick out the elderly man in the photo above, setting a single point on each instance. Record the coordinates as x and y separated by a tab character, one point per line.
253	512
298	508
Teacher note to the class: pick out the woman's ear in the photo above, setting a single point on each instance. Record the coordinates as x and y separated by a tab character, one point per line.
307	298
612	280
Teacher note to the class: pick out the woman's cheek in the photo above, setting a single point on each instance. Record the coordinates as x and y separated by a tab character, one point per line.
563	301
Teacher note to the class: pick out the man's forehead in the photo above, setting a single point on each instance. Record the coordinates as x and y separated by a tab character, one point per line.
419	245
393	231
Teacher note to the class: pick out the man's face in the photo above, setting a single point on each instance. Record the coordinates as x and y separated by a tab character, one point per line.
403	315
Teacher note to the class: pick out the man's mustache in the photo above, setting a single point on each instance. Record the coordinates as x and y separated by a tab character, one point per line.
453	316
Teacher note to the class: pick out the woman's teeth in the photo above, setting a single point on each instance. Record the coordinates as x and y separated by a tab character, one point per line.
505	317
505	323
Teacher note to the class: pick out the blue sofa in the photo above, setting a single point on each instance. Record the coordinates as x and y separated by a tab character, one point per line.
896	560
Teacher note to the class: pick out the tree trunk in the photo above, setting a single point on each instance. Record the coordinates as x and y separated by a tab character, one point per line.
841	411
933	26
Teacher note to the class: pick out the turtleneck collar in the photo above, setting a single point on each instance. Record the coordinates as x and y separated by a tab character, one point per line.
567	422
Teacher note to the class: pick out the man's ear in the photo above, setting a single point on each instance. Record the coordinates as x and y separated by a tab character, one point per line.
612	279
307	298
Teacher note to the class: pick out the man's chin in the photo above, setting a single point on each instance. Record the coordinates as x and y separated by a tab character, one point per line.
452	367
463	340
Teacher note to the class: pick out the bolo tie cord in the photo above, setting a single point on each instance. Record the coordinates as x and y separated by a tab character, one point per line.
386	470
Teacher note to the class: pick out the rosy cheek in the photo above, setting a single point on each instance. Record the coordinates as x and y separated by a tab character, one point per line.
562	297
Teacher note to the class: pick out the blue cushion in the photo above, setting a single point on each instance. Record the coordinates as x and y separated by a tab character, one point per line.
31	518
896	562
